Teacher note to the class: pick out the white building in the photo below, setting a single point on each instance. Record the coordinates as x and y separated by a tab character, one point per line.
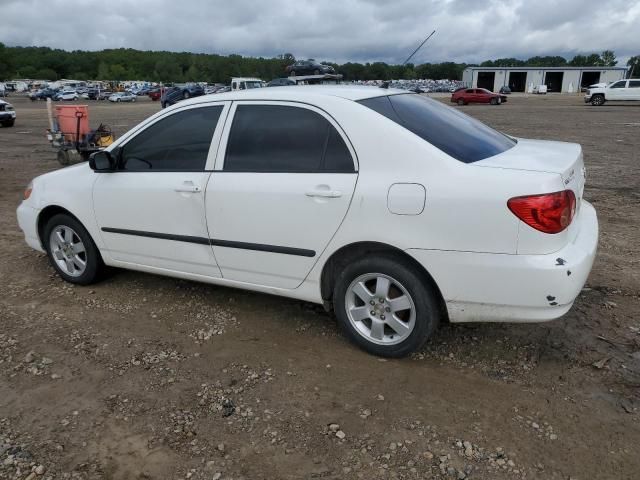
557	79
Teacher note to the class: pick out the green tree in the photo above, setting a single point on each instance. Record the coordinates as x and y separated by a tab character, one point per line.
103	72
608	58
634	66
46	74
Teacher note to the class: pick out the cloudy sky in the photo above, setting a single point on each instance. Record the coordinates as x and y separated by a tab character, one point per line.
335	30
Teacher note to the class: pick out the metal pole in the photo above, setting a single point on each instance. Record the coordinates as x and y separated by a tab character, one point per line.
419	47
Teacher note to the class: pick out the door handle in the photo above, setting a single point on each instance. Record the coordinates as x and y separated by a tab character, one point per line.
324	193
188	188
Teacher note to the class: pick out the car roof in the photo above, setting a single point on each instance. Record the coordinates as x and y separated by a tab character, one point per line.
299	93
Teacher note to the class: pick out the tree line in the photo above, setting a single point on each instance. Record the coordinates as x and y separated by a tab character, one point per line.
129	64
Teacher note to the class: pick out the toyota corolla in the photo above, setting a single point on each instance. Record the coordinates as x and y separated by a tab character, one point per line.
390	208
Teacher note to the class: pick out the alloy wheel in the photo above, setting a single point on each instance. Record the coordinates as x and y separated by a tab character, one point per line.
68	251
380	309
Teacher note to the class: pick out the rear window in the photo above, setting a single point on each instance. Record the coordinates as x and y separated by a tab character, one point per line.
456	134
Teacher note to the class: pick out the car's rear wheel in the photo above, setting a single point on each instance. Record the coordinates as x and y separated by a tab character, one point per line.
71	250
461	102
597	100
384	306
185	95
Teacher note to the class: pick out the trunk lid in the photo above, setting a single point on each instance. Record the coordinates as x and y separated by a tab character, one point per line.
562	158
556	158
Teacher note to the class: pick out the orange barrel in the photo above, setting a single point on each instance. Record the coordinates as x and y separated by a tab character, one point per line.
67	116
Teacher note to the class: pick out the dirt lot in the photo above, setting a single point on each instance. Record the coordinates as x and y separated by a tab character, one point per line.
149	377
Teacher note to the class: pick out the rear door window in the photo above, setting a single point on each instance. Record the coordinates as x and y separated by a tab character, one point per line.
455	133
283	138
634	83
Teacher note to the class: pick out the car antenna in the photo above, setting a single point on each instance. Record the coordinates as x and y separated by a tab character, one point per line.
385	84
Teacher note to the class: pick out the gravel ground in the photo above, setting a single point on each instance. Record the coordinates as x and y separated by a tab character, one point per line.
149	377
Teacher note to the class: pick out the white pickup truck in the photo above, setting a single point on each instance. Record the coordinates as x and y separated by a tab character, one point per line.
622	90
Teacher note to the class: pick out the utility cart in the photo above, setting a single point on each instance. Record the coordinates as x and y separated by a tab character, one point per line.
69	133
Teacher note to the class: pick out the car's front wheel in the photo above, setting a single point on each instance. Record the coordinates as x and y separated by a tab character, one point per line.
597	100
71	250
385	306
8	123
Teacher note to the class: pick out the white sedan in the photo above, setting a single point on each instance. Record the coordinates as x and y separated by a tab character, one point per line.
391	208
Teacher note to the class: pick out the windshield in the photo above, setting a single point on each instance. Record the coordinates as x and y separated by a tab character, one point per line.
456	134
254	84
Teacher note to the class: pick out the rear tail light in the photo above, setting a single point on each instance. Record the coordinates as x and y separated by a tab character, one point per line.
548	213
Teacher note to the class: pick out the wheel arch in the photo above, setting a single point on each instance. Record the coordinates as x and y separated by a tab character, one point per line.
47	213
338	260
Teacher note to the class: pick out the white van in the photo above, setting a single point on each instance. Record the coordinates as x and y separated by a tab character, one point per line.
245	83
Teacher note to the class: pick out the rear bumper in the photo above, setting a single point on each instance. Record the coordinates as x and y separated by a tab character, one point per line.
28	223
484	287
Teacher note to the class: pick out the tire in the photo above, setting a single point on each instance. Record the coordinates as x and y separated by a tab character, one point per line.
597	100
358	317
494	101
68	243
8	123
292	73
185	95
63	157
461	102
133	99
316	72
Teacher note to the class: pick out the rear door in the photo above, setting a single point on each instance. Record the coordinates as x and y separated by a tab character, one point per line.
634	89
279	192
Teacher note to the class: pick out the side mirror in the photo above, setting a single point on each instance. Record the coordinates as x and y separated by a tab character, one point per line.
102	162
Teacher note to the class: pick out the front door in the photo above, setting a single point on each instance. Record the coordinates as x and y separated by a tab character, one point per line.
278	197
151	210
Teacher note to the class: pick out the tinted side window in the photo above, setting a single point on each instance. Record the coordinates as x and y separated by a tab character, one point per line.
178	142
275	138
337	157
619	84
458	135
634	83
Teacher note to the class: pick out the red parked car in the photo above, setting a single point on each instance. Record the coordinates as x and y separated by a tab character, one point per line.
477	95
155	94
